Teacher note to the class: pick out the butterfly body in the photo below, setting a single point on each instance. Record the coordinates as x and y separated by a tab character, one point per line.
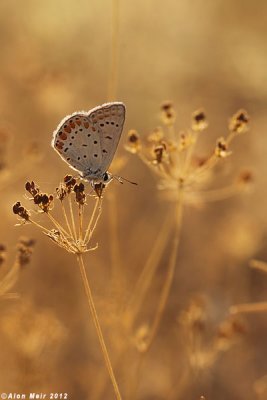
87	141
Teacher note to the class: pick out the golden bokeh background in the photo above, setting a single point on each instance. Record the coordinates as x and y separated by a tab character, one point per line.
56	59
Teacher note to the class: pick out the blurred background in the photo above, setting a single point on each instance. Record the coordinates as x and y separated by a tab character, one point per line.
57	59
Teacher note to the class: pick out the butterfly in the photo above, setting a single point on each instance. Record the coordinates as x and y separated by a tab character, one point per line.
87	141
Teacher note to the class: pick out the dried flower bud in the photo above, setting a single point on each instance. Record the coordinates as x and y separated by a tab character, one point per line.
32	188
24	251
239	122
2	253
21	211
133	142
159	152
44	201
79	192
168	115
221	149
142	338
69	182
61	192
98	188
199	121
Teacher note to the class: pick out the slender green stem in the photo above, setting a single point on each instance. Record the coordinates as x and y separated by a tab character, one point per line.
97	326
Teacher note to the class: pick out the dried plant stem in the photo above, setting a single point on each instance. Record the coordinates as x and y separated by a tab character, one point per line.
117	275
72	219
92	224
80	217
249	308
113	78
57	224
9	280
260	265
66	217
219	194
145	278
97	326
189	153
170	274
39	226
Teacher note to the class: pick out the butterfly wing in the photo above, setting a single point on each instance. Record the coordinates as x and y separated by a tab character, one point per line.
108	120
87	141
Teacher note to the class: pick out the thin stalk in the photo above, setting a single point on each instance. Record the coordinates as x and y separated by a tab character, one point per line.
260	265
249	308
97	325
94	226
39	226
9	280
72	219
170	274
148	271
66	218
219	194
189	153
114	240
88	230
113	76
57	224
80	218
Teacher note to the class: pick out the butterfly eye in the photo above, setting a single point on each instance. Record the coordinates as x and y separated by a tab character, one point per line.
106	177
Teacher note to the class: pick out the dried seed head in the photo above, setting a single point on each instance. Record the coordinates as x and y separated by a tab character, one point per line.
133	142
98	188
61	192
44	201
168	115
221	149
159	152
32	188
142	337
21	211
2	253
239	122
79	193
199	121
24	251
69	182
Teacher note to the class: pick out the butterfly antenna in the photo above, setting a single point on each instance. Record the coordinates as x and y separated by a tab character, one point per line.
121	179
